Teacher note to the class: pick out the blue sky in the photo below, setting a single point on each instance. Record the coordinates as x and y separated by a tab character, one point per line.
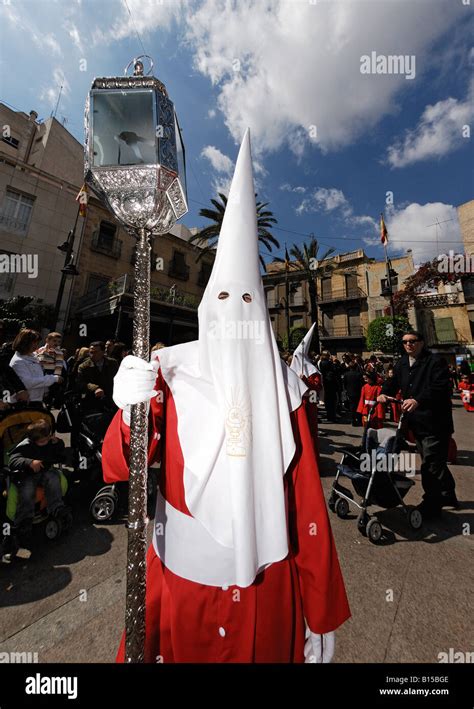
328	140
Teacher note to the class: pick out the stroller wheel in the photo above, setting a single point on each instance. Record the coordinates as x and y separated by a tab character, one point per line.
332	501
415	518
342	508
374	530
103	507
52	529
362	522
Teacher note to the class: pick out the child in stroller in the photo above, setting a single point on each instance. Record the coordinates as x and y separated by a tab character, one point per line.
377	472
33	478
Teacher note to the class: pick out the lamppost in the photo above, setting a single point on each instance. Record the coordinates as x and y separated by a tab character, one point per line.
69	269
387	292
134	162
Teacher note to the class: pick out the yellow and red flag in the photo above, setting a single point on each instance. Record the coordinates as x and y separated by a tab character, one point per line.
82	199
383	231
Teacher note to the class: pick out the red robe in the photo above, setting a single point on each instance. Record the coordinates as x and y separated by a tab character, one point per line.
467	395
314	383
191	622
369	393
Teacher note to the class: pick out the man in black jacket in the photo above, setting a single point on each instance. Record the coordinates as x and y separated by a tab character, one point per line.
423	379
353	383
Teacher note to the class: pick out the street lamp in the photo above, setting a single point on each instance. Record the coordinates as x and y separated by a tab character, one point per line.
134	162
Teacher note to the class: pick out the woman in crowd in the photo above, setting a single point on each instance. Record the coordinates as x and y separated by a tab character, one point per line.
28	367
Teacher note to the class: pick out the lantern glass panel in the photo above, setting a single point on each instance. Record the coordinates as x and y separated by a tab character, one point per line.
123	128
180	155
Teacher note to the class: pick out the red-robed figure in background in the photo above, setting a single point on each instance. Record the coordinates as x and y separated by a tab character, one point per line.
243	566
368	399
302	365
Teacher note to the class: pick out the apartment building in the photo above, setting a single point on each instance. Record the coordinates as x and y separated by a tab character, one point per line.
349	295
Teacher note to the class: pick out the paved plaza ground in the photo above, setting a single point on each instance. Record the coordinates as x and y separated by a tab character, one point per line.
409	595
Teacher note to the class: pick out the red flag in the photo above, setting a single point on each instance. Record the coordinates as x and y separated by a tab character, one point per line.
82	199
383	231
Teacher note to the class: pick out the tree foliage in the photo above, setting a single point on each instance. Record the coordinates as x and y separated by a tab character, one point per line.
209	236
384	334
25	311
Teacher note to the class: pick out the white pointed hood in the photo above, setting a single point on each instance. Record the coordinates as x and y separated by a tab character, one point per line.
300	362
234	398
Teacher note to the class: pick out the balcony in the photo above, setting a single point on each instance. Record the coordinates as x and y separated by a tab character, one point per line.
106	245
334	296
438	300
298	302
178	270
104	299
334	333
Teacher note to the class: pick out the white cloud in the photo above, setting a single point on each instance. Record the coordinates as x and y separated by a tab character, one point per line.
223	165
20	21
300	64
333	200
415	227
219	161
211	113
286	187
288	68
438	132
145	16
74	35
50	93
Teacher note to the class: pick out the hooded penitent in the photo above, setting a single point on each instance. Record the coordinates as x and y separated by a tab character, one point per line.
233	398
301	363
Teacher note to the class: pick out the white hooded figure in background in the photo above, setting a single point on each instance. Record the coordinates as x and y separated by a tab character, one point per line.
236	460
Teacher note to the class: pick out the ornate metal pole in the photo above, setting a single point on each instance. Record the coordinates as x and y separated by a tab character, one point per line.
134	162
137	496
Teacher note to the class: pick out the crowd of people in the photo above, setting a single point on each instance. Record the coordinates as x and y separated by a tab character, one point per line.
351	384
41	373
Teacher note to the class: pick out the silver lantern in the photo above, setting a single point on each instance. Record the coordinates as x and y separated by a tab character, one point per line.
135	163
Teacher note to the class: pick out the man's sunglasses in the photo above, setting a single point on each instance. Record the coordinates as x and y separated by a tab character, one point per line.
409	342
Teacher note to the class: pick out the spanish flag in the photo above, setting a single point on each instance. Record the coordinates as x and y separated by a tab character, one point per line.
287	260
383	231
82	199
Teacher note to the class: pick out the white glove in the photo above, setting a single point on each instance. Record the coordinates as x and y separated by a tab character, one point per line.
319	648
133	383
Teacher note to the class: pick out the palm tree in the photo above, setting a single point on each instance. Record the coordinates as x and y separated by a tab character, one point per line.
306	261
210	234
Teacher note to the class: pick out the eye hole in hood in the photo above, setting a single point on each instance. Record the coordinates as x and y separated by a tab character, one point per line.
223	295
247	297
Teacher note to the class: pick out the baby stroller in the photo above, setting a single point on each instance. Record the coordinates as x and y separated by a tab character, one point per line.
373	473
13	426
88	429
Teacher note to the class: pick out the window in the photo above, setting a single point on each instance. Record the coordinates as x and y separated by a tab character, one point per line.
445	331
379	313
384	284
204	274
96	282
13	142
106	234
178	268
16	211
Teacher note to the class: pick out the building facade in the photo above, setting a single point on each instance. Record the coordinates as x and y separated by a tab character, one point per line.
349	295
40	176
41	173
466	224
